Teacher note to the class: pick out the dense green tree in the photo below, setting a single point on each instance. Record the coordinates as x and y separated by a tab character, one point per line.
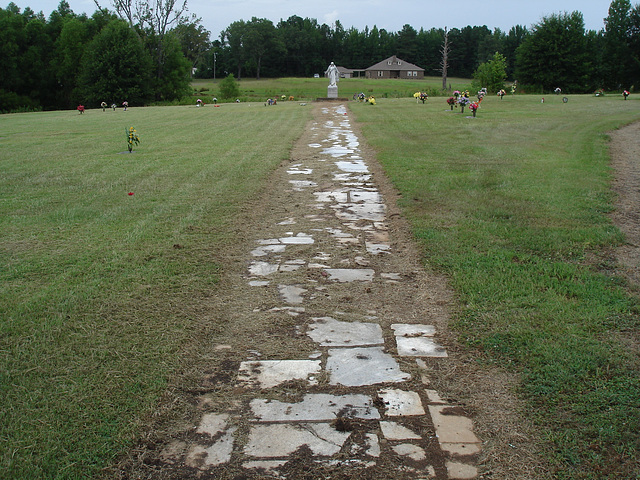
38	80
491	44
116	67
261	40
12	42
304	44
556	55
407	44
69	48
194	40
233	38
463	59
634	45
491	75
511	42
173	70
620	60
429	47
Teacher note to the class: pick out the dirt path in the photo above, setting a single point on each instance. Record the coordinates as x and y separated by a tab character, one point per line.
331	355
625	160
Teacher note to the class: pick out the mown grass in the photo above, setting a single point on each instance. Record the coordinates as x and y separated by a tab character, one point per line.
510	205
307	89
100	291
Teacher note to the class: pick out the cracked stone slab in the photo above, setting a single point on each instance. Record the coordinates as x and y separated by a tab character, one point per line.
412	451
451	428
292	294
262	269
315	407
220	452
365	196
281	440
377	248
345	275
395	431
213	423
269	373
461	471
265	250
330	332
419	347
300	239
413	330
365	211
336	197
360	366
461	449
415	341
353	167
401	403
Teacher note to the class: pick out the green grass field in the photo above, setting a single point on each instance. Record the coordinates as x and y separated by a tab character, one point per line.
100	291
509	205
307	89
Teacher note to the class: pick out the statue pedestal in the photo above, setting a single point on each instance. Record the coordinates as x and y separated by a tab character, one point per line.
332	91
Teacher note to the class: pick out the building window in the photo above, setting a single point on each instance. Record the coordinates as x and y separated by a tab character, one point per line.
389	62
399	62
380	73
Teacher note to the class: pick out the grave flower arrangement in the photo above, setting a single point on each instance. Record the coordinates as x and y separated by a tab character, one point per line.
502	93
132	138
420	96
473	106
625	94
103	105
463	102
452	102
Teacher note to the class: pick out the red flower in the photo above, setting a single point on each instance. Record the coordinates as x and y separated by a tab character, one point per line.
130	193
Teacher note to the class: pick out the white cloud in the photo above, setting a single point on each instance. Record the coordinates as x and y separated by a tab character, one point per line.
330	18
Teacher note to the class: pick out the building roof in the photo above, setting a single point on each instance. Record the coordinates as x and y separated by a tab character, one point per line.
395	64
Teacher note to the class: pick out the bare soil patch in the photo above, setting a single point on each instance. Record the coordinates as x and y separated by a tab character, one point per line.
625	160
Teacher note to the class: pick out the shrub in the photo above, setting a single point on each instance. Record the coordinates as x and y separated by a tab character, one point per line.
229	88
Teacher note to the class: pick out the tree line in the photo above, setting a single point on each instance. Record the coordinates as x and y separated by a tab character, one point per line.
145	56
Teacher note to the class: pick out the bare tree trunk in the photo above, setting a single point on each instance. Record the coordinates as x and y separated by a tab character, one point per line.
444	64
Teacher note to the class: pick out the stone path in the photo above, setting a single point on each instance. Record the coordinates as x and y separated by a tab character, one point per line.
363	405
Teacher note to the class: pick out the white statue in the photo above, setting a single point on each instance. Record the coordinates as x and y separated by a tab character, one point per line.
333	74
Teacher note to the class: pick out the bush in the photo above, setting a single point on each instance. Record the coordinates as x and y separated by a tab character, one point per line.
11	102
229	88
491	75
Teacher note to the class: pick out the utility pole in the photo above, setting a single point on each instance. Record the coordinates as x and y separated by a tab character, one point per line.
444	64
214	66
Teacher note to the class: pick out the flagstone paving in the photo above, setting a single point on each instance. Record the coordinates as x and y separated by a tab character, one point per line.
361	400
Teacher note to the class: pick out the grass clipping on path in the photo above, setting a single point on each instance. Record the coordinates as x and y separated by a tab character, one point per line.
105	257
508	205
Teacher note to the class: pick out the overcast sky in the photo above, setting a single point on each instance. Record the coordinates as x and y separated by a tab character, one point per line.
391	15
